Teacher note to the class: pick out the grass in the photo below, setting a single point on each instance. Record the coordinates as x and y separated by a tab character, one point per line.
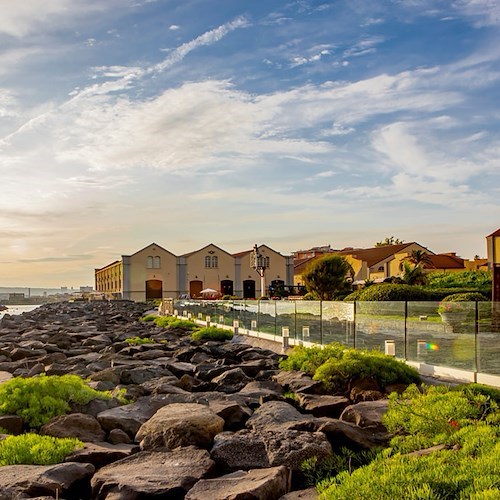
212	333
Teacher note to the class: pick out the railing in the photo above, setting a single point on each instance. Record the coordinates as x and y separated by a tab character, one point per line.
466	337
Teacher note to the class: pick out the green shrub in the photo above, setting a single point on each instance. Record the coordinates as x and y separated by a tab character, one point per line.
465	297
469	472
139	340
212	333
172	322
38	399
392	292
33	449
148	318
462	279
338	374
308	359
354	296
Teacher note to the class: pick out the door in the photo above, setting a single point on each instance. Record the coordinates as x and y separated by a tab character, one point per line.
226	287
154	289
195	287
249	289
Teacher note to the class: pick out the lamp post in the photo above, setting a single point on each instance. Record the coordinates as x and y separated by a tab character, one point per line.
260	264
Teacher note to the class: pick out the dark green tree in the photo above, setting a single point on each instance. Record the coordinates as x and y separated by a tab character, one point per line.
389	241
419	258
326	277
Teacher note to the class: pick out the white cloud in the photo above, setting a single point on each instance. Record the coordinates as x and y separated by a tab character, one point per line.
174	27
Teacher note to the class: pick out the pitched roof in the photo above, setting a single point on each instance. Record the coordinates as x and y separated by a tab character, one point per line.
299	265
147	246
203	248
494	233
376	254
445	261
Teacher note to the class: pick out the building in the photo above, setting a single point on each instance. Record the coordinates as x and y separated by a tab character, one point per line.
154	272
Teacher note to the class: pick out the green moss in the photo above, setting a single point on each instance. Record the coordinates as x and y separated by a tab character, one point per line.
33	449
171	322
38	399
139	340
212	333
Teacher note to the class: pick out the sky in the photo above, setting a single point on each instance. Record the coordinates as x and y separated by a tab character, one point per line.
293	123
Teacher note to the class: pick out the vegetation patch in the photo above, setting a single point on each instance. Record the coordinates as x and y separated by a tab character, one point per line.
212	333
464	424
171	322
338	366
148	318
38	399
33	449
139	340
391	292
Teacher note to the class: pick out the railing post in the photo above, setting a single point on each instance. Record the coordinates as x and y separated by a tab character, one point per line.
406	331
477	359
354	326
321	322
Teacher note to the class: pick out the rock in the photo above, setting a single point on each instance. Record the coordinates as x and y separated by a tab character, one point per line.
13	424
67	478
278	415
298	382
101	454
366	414
346	435
235	415
231	380
323	405
259	484
181	424
4	376
117	436
241	450
307	494
150	474
77	425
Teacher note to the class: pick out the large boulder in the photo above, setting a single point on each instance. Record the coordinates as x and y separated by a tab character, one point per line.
279	415
20	481
366	414
180	424
78	425
322	405
259	484
150	474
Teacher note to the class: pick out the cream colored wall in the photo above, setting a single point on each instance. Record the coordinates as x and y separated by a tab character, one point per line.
276	270
211	277
358	267
139	273
394	265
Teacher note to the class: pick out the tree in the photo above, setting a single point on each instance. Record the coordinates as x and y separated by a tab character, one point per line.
327	276
419	258
413	275
389	241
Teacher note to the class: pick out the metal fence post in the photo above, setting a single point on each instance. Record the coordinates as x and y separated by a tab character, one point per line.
354	325
406	331
321	322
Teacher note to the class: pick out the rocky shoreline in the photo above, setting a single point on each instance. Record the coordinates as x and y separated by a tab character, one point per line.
206	420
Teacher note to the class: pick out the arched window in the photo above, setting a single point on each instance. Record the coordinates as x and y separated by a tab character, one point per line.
215	261
208	261
157	262
149	264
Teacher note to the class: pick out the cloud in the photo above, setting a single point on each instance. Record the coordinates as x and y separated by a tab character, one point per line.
174	27
63	258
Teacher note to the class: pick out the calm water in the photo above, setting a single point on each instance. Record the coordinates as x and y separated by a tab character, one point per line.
18	309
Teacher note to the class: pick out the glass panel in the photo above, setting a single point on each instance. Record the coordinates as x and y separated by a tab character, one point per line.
285	316
488	337
267	317
377	322
442	334
308	320
338	322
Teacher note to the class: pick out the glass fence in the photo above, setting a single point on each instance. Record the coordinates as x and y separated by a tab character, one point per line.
463	335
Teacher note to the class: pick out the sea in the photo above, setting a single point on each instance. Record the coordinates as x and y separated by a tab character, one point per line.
12	310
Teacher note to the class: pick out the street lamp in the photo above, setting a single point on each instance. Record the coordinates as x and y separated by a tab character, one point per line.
260	264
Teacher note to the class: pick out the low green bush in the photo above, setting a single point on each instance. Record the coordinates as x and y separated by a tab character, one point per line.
148	318
309	359
38	399
354	296
139	340
212	333
392	292
171	322
338	374
33	449
465	297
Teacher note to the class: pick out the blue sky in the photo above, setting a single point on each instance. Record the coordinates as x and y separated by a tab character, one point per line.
289	123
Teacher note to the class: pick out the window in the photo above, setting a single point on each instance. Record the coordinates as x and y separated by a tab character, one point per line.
211	261
215	261
208	261
149	264
157	262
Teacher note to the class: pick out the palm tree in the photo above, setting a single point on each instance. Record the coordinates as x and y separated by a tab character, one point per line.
419	258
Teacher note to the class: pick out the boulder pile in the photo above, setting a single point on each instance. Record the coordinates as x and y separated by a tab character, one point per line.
205	420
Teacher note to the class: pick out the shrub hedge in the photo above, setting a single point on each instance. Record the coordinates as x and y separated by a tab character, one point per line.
212	333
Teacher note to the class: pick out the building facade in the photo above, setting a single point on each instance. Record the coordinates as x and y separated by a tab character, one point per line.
154	272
